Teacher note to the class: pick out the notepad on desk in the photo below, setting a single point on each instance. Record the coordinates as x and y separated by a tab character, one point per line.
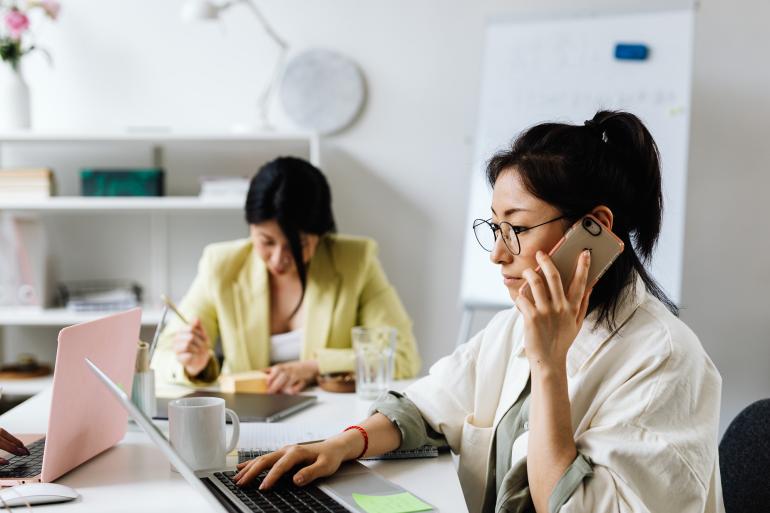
258	439
261	436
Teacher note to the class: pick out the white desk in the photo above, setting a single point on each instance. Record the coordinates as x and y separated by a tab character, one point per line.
135	476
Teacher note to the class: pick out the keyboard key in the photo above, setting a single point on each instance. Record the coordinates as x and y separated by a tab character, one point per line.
25	466
285	497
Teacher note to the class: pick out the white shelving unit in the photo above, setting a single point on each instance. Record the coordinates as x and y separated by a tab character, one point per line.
82	204
158	209
160	137
32	316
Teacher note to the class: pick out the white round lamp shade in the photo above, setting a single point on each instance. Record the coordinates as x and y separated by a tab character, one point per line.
196	10
322	91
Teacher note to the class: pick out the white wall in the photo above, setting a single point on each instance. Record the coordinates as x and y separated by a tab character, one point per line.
726	272
400	174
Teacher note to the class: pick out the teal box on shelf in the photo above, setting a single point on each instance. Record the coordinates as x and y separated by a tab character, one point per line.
122	182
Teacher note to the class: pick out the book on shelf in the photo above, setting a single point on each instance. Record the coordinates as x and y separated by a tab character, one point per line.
224	188
24	259
26	183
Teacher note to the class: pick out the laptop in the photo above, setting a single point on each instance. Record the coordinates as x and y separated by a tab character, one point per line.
84	420
251	407
332	494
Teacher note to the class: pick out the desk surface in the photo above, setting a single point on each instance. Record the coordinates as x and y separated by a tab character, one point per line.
135	476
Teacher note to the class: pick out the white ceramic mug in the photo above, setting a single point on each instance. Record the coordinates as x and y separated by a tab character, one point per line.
196	427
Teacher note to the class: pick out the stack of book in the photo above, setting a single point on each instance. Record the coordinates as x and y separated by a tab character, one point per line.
26	184
224	188
100	295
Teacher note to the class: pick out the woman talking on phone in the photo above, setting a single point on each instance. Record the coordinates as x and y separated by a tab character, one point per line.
284	299
581	399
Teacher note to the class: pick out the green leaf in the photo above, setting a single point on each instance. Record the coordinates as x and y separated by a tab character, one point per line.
10	50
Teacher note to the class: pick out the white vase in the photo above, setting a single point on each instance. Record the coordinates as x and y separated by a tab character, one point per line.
14	99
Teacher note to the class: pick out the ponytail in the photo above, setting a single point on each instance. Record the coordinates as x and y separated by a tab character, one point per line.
630	143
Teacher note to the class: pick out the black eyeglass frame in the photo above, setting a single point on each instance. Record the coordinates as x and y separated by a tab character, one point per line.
516	230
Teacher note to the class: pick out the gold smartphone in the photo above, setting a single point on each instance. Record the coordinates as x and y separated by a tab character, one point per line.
587	233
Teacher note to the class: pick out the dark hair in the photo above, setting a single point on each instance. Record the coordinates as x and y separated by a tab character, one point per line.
611	160
296	194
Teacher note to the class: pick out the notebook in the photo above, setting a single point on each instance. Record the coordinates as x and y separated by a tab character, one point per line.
257	439
251	407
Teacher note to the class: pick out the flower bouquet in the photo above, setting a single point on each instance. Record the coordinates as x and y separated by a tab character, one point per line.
16	41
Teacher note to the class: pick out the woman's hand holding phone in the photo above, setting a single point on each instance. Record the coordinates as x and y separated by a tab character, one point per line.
553	316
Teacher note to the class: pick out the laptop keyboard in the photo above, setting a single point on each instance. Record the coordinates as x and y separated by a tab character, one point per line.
25	466
283	497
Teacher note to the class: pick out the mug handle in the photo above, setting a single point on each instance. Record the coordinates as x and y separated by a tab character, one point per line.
236	430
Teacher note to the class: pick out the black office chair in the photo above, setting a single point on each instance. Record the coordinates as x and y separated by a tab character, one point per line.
744	460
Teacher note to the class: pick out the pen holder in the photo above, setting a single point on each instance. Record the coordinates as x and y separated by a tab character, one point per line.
143	390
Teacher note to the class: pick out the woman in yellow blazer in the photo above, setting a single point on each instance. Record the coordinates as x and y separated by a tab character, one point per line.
286	298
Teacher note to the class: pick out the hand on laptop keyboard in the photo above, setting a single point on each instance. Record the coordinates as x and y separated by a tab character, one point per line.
11	444
283	497
28	464
311	461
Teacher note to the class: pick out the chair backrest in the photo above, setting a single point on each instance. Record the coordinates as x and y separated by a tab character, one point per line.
744	460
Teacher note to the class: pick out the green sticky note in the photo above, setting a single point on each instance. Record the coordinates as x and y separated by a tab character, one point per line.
397	503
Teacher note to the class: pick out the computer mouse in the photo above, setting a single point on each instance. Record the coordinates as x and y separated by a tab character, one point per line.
36	493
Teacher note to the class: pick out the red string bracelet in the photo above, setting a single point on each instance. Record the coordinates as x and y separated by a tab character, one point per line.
364	434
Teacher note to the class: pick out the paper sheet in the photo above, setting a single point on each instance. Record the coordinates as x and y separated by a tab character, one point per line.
272	436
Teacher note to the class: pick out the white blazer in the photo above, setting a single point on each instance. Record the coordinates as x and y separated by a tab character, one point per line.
644	401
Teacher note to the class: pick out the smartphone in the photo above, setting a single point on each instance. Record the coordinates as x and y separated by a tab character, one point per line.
587	233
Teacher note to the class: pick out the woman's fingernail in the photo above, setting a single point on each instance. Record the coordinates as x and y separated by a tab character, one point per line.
299	479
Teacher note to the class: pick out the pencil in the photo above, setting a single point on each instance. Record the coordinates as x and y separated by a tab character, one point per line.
174	309
158	329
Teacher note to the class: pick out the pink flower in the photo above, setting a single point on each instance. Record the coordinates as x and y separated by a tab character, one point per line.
17	23
51	8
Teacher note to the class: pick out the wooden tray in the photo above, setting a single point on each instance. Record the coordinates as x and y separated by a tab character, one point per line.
339	382
37	372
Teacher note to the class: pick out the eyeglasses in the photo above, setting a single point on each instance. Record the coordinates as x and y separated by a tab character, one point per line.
486	233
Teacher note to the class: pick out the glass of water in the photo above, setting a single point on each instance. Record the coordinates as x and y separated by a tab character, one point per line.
375	350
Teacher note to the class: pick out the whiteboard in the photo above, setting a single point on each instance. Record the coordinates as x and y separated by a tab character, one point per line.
564	70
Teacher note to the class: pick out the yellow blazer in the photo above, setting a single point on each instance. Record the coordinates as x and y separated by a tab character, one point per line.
346	287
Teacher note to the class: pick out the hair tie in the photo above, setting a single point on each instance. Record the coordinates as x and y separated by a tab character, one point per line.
595	128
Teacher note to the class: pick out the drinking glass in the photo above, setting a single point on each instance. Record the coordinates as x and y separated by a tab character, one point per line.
375	349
